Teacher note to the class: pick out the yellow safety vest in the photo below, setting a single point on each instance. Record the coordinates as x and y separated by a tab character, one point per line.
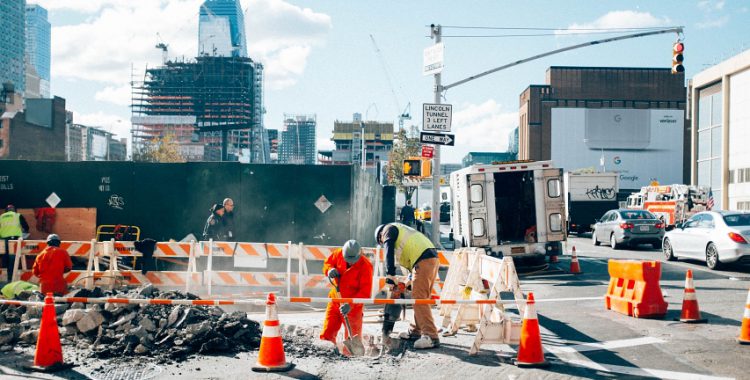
410	245
10	224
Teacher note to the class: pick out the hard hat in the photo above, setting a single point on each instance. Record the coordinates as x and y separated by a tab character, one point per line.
377	233
53	240
351	251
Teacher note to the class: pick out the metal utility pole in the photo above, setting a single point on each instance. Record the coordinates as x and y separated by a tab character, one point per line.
436	34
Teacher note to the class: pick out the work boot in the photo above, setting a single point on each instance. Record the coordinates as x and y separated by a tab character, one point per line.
410	335
426	342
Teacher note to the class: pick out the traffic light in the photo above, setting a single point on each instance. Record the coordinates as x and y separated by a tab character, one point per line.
678	49
413	167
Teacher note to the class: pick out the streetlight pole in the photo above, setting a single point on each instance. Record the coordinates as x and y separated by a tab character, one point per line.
436	34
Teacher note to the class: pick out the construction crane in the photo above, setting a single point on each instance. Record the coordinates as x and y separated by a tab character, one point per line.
164	49
406	113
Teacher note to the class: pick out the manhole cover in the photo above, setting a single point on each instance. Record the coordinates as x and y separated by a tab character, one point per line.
129	372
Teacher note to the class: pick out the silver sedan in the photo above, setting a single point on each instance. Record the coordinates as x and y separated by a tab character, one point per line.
628	227
716	237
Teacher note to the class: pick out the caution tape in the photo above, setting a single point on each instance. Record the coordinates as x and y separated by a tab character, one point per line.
21	303
258	302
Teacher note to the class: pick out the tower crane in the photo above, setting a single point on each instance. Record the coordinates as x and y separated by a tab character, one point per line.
163	47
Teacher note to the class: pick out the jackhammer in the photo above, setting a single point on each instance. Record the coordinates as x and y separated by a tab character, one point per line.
392	312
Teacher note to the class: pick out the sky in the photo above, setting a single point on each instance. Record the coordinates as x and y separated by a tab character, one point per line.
320	59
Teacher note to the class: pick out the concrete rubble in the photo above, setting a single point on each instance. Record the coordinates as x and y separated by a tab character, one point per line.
161	332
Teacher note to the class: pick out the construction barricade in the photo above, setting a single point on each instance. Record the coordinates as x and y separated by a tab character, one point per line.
634	289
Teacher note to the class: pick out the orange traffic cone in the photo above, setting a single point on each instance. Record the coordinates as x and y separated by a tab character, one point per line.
575	267
744	337
48	356
530	351
271	357
690	311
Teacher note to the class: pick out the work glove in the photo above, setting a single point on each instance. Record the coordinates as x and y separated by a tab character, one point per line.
345	308
333	273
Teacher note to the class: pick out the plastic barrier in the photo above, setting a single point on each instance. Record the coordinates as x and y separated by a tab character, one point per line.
634	289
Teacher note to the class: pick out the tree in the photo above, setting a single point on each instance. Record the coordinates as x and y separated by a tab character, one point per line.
404	146
161	149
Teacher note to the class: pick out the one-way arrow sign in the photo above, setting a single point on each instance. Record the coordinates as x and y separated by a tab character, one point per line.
437	138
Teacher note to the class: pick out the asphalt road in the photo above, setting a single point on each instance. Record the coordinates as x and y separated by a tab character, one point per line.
581	338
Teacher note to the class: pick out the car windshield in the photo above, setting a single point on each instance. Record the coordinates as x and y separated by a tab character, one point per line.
735	220
637	214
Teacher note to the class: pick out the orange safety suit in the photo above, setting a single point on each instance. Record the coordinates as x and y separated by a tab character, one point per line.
355	282
49	267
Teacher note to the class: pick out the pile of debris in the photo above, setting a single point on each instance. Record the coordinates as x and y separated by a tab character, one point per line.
164	332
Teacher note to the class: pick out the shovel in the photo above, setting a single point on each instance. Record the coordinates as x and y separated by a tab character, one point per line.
353	343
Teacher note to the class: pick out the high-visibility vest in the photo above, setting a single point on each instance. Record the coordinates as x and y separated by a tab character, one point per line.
10	224
410	245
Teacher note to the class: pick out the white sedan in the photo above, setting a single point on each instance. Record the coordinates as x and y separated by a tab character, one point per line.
716	237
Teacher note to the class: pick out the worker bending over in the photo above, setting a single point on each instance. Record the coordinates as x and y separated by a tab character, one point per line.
51	265
415	252
352	272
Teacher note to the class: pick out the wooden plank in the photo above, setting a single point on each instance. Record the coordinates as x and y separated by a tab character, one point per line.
77	224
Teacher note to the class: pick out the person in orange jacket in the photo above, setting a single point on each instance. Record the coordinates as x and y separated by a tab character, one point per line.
352	271
51	265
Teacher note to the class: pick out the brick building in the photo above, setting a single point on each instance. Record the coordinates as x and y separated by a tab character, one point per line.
35	133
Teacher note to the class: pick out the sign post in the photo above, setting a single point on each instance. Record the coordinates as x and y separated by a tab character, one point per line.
437	138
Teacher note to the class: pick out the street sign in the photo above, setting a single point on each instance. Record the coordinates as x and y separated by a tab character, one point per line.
437	138
433	59
437	117
427	151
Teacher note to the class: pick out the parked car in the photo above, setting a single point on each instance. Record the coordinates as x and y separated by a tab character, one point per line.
716	237
628	227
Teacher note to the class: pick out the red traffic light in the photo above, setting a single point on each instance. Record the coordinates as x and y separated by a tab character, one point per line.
678	47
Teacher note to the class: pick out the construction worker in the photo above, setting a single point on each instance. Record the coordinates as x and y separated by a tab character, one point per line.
12	227
416	253
352	272
51	265
213	228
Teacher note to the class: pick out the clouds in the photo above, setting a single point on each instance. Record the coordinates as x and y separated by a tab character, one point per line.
480	128
620	19
713	14
120	33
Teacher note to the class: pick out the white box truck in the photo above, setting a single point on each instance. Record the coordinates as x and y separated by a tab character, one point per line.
512	209
587	197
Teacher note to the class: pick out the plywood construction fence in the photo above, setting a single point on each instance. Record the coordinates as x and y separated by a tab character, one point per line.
77	224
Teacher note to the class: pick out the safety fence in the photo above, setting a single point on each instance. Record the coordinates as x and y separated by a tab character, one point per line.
253	256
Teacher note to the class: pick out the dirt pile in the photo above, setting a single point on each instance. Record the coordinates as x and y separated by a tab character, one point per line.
164	332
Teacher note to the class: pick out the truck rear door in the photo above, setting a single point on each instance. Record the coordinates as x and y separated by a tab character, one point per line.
481	228
554	205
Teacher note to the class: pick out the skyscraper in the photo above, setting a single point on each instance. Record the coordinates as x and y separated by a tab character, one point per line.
38	36
221	29
298	140
12	40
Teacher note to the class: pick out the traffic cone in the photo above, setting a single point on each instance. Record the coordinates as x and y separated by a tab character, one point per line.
690	311
530	351
744	337
271	357
575	267
48	355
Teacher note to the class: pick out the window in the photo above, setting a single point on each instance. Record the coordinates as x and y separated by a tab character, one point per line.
553	188
735	220
694	221
716	142
707	221
555	222
477	193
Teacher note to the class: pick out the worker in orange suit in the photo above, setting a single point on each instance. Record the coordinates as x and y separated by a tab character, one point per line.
352	271
51	265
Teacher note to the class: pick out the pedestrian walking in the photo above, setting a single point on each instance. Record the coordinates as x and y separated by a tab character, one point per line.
227	221
407	214
213	228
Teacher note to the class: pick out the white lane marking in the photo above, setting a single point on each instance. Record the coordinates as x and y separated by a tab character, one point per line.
608	345
635	371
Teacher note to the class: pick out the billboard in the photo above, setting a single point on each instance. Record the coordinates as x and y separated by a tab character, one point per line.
642	145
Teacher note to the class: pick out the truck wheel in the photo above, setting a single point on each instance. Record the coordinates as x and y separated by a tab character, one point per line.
613	242
593	238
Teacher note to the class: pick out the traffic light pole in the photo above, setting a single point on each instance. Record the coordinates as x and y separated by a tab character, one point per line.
436	34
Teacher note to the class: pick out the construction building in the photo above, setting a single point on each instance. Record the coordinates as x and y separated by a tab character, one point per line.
212	107
348	136
298	143
273	144
608	119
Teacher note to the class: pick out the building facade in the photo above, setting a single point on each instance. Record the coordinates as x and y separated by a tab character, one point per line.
38	46
720	129
612	118
484	158
221	29
298	145
13	44
349	137
35	133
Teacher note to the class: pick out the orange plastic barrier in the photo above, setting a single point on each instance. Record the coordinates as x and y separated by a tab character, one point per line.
634	289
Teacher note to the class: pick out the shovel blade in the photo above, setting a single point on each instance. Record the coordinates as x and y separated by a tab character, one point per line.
354	345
